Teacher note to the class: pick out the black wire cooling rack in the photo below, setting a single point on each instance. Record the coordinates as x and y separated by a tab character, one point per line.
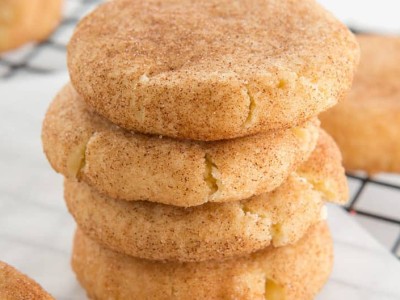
26	62
358	193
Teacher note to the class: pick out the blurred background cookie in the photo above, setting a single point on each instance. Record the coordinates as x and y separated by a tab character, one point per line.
17	286
366	125
24	21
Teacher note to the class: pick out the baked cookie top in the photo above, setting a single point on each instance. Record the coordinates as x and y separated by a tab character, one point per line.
210	70
17	286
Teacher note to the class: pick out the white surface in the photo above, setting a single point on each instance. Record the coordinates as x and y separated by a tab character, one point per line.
36	230
17	57
63	34
354	186
49	58
372	201
384	232
368	15
389	178
3	70
363	268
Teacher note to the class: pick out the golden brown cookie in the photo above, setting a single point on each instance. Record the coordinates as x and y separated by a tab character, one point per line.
17	286
366	125
133	166
324	170
213	230
295	272
23	21
211	70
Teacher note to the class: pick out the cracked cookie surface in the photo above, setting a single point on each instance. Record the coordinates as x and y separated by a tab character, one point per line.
130	166
213	230
211	70
291	273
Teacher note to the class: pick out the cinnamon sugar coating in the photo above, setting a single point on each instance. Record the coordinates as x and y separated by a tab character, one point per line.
125	165
295	272
211	70
213	230
17	286
324	170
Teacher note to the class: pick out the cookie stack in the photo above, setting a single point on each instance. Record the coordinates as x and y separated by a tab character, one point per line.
194	163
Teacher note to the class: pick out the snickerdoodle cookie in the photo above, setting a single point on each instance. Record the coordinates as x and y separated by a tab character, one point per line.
295	272
131	166
23	21
17	286
213	230
366	125
324	170
211	70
